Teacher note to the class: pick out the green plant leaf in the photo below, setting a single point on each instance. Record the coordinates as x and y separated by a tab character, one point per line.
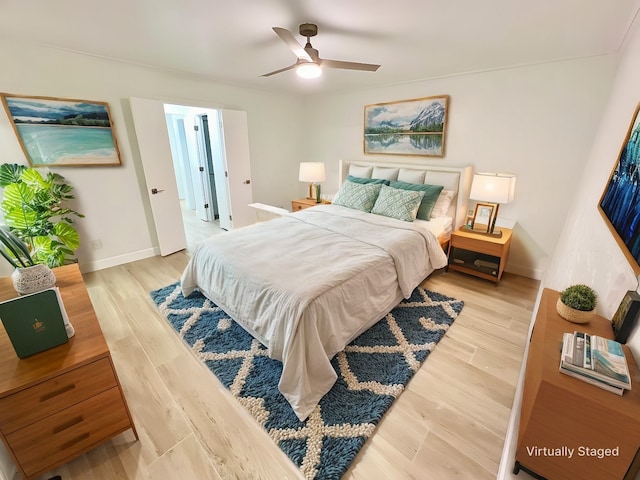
67	235
10	173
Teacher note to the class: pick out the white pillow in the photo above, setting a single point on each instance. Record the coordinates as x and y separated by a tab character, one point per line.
441	208
360	171
386	173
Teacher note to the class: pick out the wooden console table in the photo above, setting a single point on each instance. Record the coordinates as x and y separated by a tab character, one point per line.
567	425
60	403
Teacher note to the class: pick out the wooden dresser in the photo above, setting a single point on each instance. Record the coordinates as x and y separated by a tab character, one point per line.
60	403
570	429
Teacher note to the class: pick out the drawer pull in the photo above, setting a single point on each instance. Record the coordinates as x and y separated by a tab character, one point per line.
55	393
69	424
73	441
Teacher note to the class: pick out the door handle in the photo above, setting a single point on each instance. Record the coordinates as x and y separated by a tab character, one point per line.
155	191
247	182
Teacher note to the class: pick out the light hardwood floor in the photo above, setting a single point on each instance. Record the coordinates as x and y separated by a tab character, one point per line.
450	423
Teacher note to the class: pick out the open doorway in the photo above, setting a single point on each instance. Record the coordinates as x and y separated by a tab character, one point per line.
192	149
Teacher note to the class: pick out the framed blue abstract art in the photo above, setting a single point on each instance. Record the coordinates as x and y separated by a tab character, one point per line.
620	202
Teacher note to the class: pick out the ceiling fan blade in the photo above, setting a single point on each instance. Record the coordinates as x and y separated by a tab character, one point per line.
368	67
281	70
288	38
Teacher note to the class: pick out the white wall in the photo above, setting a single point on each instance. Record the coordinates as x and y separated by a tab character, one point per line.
114	198
586	251
537	122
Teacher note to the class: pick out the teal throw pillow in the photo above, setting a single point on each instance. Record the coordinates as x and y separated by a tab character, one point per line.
359	196
397	203
431	194
353	179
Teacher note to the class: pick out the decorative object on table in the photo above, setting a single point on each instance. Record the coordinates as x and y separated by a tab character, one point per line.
34	322
626	316
62	132
577	303
28	276
618	205
491	189
372	371
595	360
407	127
314	173
35	210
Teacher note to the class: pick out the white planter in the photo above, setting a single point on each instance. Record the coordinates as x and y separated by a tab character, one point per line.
33	279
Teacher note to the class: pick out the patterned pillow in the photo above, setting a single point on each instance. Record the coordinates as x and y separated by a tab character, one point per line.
397	203
359	196
431	193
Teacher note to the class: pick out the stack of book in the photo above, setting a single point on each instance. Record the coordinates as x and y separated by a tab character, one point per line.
595	360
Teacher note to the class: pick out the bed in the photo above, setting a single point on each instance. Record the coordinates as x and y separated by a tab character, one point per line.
308	283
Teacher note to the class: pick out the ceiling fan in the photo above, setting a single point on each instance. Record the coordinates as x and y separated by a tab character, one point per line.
309	64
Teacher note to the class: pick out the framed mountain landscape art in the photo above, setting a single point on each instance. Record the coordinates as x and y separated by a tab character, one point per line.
56	132
408	127
620	202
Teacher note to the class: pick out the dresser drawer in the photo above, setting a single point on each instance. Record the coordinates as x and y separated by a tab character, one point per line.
32	404
67	433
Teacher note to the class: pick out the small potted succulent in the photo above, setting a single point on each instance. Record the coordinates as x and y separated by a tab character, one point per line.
577	303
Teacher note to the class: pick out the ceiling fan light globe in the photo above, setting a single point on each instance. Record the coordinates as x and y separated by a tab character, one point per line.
309	70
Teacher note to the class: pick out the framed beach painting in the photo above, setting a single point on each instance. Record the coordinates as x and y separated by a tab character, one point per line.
408	127
619	204
56	132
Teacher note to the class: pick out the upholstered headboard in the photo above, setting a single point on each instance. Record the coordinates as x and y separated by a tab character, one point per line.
457	179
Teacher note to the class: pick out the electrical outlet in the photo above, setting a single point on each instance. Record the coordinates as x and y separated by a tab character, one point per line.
96	244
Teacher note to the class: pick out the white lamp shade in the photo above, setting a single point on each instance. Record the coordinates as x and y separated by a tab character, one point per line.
309	70
312	172
493	187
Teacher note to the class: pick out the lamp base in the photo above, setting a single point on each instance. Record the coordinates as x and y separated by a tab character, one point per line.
495	234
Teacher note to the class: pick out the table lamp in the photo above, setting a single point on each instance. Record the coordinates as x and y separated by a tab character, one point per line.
312	172
493	189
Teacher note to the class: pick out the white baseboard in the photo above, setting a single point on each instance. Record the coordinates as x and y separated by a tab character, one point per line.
534	273
86	267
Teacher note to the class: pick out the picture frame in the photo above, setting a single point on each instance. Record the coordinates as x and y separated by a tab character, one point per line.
626	316
407	127
618	205
59	132
483	214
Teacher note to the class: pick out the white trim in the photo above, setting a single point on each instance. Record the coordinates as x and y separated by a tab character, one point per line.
86	267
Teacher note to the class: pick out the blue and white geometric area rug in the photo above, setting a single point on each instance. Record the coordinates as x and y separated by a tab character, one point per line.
372	371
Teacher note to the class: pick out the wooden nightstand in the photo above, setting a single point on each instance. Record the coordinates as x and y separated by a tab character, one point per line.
302	203
480	255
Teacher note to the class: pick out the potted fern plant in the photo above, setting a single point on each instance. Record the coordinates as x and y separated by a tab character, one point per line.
577	303
35	210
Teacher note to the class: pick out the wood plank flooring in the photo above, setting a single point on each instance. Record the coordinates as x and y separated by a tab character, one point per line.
449	423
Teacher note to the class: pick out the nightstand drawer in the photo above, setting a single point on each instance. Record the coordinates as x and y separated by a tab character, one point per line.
32	404
74	429
488	248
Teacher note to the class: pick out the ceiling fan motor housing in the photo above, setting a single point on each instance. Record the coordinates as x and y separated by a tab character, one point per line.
308	29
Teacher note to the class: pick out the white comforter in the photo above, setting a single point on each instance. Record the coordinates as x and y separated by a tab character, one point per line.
307	284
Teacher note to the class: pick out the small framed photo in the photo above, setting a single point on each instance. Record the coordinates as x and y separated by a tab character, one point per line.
483	216
626	316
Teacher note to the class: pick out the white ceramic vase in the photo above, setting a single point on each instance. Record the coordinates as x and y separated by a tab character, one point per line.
33	279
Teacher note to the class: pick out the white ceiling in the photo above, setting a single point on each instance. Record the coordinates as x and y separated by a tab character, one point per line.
232	41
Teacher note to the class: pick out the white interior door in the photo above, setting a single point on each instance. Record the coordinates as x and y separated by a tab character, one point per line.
235	133
155	151
220	170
